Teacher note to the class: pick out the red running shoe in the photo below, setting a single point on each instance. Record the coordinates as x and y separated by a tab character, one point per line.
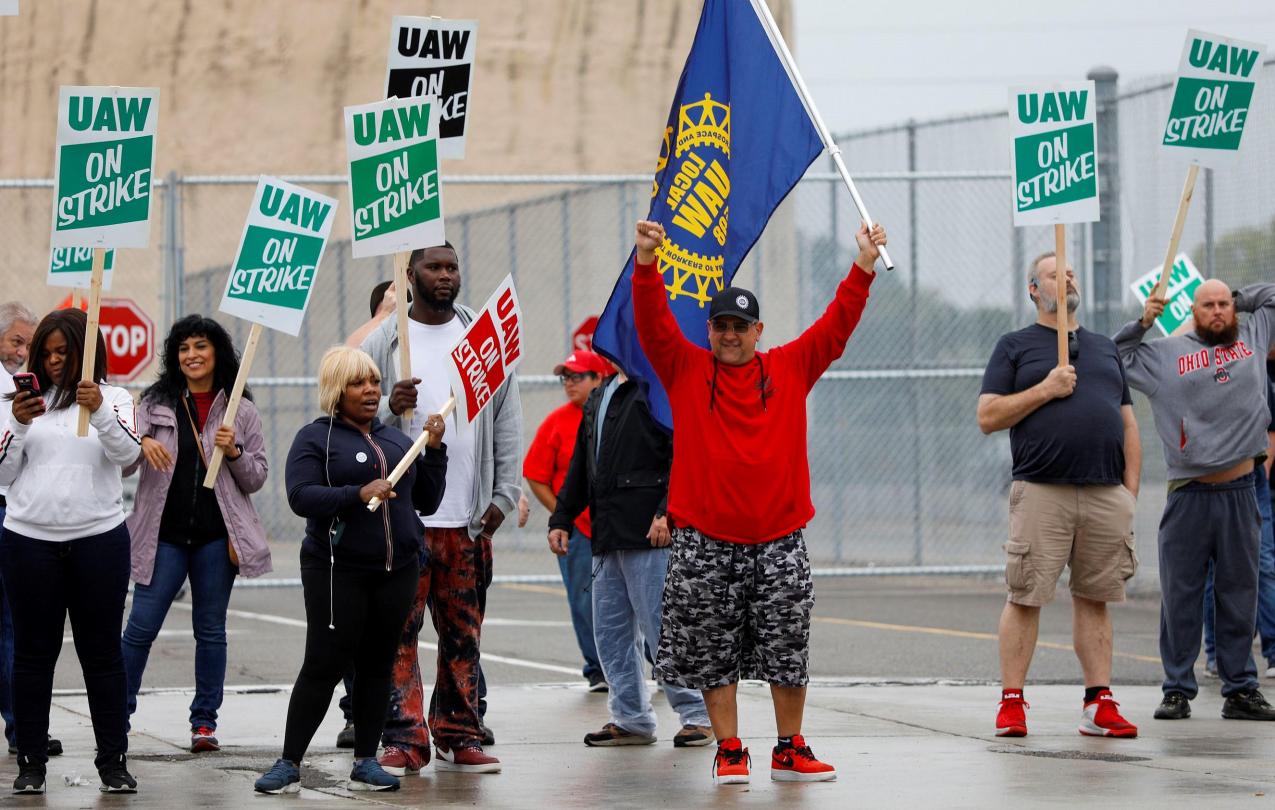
467	759
1102	718
401	760
730	767
797	763
203	739
1011	720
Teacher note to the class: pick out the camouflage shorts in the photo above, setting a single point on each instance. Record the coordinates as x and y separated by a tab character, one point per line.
734	611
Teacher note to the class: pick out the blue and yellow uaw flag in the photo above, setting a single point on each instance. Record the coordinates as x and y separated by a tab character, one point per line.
738	139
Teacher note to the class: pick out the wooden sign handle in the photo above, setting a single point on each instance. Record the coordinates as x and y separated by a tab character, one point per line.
401	262
1060	292
415	450
88	368
236	394
1184	203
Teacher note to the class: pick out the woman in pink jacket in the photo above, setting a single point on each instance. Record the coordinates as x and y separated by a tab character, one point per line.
182	529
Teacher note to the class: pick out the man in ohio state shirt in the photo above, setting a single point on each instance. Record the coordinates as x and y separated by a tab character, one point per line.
738	595
1208	392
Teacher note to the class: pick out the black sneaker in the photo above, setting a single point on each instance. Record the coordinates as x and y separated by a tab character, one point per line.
116	778
345	737
598	682
30	776
489	736
1247	705
54	749
1175	706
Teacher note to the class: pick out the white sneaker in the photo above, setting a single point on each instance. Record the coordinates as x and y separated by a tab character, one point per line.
1270	672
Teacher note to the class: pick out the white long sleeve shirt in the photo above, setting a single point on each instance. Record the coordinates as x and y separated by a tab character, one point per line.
63	487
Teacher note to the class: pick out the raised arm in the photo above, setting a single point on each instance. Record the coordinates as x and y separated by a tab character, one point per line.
1259	299
1139	357
658	331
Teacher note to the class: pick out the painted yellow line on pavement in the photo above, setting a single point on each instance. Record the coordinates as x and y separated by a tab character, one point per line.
944	631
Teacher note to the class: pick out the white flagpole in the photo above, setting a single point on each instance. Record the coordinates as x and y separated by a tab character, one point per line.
834	151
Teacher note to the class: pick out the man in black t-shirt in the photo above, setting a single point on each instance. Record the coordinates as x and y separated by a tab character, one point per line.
1077	460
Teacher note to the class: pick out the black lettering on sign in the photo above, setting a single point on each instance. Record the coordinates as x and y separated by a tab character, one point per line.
449	84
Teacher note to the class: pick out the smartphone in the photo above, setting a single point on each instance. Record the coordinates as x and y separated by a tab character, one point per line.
26	381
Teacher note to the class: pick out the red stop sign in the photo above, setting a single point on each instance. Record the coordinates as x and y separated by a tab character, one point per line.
129	335
582	337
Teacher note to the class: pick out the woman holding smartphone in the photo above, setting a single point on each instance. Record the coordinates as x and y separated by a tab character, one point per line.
181	529
66	548
359	568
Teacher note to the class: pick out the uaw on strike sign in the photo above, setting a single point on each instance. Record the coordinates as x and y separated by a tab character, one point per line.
1055	159
489	351
105	162
1212	98
279	252
434	57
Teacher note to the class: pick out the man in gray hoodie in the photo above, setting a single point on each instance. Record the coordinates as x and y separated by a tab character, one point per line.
1208	392
483	474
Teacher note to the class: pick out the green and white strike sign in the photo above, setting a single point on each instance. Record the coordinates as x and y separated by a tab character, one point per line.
1211	100
283	240
73	267
395	192
105	164
1053	136
1183	282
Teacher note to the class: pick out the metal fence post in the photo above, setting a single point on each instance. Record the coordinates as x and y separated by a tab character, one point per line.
914	395
1208	223
172	282
1107	277
566	268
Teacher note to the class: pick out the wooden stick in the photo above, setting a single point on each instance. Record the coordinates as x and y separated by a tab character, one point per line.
1060	291
236	394
75	298
401	262
1166	270
88	368
412	452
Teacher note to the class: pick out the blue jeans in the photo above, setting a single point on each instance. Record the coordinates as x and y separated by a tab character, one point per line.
628	593
212	576
576	567
6	659
1265	582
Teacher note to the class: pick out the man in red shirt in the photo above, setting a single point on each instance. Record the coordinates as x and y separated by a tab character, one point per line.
738	595
545	468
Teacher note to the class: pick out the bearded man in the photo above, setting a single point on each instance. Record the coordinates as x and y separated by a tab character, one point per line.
1208	394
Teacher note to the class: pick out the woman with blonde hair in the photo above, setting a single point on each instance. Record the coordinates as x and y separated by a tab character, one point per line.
359	568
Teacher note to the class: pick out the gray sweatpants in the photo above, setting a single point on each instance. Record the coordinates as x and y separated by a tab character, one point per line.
1202	522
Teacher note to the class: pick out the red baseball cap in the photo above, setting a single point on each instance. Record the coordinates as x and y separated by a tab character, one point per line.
582	361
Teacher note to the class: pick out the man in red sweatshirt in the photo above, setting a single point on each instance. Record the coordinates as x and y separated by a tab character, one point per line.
738	595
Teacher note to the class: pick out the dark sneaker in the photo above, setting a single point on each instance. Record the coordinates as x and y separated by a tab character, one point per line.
403	760
202	740
369	775
54	748
283	777
693	736
489	736
345	737
797	763
116	778
730	766
466	759
598	683
30	776
1175	706
1247	705
611	734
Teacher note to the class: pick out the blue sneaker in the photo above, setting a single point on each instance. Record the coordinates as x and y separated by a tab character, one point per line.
283	777
368	774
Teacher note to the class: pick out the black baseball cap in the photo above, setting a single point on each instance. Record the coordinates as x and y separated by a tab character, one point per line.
735	302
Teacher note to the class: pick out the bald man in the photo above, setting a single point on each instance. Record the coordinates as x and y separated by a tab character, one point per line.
1208	392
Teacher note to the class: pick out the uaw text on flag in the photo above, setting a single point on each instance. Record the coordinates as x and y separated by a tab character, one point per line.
738	139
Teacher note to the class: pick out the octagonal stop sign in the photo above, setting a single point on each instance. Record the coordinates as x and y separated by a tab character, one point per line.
129	335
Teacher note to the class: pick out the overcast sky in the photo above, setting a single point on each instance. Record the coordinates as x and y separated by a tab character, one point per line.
869	64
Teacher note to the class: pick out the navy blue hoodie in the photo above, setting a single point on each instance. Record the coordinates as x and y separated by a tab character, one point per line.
330	461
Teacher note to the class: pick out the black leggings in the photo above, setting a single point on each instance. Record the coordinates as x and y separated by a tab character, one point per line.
371	607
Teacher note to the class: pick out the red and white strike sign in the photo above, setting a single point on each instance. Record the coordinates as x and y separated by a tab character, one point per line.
129	334
489	351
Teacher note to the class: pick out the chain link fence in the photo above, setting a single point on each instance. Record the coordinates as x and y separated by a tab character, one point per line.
902	476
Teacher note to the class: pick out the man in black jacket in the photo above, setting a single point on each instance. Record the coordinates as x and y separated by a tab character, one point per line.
619	470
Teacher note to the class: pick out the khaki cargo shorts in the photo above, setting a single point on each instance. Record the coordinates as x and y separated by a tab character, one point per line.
1053	526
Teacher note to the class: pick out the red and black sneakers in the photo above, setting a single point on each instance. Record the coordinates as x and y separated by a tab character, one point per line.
797	763
1102	718
1011	720
732	763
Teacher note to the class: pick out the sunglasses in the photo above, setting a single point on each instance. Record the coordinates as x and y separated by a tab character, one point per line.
740	327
